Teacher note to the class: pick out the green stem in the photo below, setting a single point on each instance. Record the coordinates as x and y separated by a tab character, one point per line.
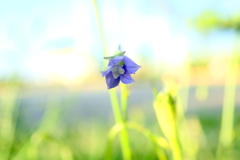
124	134
8	121
160	152
226	131
100	27
156	141
124	97
115	105
174	143
119	119
113	95
127	155
183	131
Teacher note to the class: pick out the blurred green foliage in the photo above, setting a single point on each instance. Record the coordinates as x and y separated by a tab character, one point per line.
53	138
210	20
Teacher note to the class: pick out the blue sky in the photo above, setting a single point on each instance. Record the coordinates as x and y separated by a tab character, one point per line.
157	28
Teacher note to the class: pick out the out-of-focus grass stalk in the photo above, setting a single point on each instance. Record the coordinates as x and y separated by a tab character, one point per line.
226	132
7	120
153	139
185	83
156	142
189	150
202	92
202	87
111	135
181	106
113	94
50	119
165	109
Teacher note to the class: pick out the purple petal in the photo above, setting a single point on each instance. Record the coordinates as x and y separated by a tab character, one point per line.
126	78
111	82
115	60
104	73
131	66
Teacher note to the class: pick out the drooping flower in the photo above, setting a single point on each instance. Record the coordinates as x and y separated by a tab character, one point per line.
120	68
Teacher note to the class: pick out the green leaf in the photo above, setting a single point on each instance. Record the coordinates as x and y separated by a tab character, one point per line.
118	54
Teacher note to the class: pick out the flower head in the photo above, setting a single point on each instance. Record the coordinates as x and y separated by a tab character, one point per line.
119	69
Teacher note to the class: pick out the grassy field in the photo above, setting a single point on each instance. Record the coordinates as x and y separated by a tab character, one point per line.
58	130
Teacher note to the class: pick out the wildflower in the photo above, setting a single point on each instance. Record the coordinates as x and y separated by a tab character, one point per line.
119	68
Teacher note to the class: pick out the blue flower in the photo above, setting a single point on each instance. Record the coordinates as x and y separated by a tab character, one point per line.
119	68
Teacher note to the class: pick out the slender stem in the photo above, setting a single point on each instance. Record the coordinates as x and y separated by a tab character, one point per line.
119	119
174	143
160	152
8	121
127	155
131	125
124	97
186	85
182	104
113	94
124	134
115	105
100	27
226	131
183	133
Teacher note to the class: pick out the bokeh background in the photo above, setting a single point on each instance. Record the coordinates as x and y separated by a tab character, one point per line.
54	102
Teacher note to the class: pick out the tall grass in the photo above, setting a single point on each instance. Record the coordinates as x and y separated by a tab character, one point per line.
8	113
